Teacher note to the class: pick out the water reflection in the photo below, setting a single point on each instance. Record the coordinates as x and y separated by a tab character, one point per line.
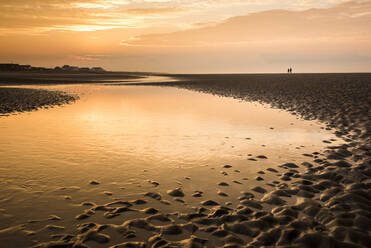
143	79
155	125
123	136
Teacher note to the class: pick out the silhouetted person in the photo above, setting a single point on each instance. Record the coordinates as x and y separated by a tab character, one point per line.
288	70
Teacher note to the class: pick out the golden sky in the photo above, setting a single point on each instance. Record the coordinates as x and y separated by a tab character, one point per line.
204	36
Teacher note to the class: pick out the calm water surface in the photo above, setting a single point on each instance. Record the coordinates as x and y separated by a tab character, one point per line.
124	136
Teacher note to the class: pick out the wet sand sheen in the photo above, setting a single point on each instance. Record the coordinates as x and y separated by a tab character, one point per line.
168	192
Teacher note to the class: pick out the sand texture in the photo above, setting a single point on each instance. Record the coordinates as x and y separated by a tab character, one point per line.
20	99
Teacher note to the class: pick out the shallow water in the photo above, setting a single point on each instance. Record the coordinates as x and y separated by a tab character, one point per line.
124	136
143	79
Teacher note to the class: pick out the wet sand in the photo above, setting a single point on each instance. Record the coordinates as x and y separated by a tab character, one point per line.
20	100
322	202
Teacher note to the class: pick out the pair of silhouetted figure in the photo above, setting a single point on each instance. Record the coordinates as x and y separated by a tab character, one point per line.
289	70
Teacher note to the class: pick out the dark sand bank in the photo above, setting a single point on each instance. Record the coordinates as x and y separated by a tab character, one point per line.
20	99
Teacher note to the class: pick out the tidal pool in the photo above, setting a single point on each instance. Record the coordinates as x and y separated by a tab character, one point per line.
127	137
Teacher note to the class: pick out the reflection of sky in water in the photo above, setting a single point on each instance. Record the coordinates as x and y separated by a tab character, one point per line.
126	136
116	129
144	79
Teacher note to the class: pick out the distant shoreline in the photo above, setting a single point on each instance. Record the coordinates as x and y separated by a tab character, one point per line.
31	77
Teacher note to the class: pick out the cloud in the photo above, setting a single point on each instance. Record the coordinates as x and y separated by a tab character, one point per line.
326	39
82	15
152	11
349	20
44	15
84	58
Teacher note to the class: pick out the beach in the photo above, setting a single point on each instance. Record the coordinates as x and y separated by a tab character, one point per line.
317	197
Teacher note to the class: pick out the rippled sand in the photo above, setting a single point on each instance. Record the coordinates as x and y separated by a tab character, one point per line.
20	100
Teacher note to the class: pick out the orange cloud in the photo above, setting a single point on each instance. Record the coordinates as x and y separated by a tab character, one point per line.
85	58
82	15
152	11
332	39
346	21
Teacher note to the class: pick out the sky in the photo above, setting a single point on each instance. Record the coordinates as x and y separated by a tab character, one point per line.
189	36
